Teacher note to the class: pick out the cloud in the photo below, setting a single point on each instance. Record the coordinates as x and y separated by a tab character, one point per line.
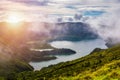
108	26
31	10
31	2
36	8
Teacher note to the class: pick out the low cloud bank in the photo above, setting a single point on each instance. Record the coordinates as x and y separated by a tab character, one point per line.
108	26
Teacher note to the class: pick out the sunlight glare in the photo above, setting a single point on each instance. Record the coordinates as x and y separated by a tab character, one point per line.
14	18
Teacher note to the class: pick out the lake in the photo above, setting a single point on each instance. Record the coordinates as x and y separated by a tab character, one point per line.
81	47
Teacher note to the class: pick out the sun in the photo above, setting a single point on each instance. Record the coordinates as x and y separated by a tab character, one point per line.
14	18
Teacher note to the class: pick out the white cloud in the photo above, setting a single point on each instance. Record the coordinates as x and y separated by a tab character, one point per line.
64	7
108	26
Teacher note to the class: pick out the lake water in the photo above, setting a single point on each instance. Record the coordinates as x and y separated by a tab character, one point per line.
81	47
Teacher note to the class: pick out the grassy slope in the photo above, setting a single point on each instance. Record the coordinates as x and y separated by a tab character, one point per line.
110	71
100	65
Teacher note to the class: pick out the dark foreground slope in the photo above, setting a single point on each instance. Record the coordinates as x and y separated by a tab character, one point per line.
10	63
99	65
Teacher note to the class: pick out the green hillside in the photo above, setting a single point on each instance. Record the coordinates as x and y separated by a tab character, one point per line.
99	65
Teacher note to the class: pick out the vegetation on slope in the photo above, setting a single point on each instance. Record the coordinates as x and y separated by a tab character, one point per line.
100	65
110	71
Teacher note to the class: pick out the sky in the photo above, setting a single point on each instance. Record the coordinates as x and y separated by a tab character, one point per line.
101	15
49	10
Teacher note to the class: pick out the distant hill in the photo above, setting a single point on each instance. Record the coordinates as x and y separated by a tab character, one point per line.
73	31
99	65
